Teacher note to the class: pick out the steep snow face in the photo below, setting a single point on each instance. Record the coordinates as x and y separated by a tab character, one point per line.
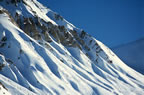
48	55
9	87
132	54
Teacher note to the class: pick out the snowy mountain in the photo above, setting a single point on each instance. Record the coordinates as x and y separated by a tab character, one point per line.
132	54
43	54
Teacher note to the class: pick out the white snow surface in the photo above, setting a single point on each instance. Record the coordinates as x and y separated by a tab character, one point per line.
58	69
3	91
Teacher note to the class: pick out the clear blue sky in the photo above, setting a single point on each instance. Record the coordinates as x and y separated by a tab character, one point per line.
114	22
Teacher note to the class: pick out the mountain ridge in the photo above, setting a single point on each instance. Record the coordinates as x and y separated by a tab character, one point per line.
142	38
132	54
48	55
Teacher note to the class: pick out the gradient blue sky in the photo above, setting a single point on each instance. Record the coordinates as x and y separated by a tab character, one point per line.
114	22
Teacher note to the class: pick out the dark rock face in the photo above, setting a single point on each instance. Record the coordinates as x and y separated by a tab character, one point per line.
16	2
82	34
31	29
1	66
58	17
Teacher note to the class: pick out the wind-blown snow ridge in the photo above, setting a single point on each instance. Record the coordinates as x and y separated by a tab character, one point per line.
44	54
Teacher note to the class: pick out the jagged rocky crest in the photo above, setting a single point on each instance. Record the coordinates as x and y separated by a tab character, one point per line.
43	31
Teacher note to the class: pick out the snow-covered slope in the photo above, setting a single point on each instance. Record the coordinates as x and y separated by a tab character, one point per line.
42	53
3	90
132	54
